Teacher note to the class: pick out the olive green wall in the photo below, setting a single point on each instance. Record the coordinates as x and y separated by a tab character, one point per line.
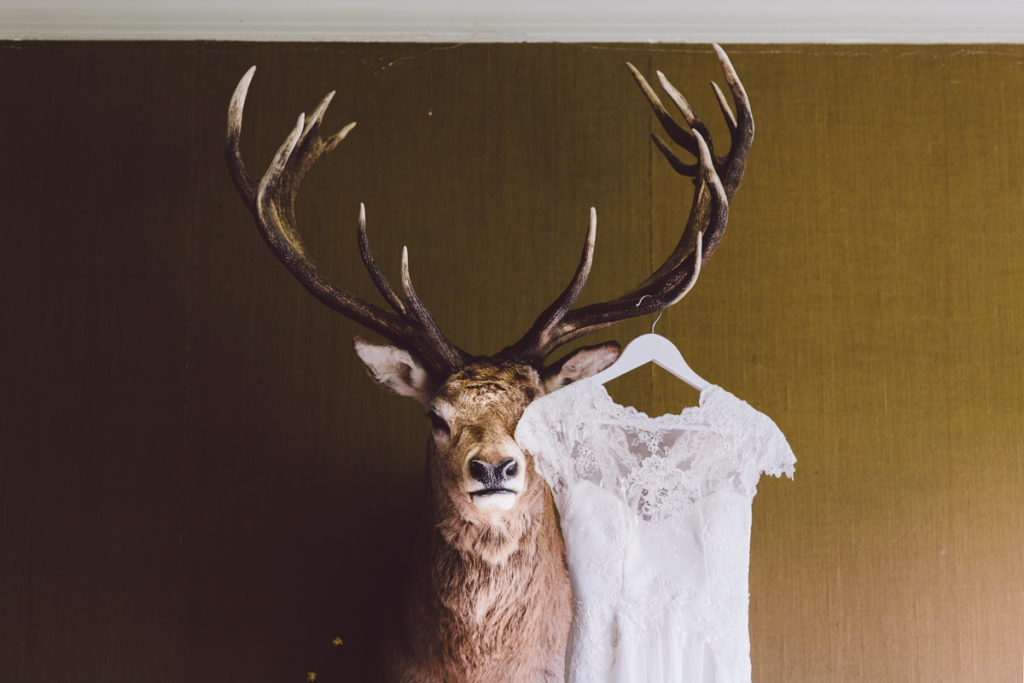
199	483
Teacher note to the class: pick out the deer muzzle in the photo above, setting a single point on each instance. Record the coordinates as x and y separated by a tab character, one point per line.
494	486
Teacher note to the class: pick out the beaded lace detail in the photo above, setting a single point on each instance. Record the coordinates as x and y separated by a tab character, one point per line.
656	518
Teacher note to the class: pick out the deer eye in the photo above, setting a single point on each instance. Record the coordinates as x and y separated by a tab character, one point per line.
438	424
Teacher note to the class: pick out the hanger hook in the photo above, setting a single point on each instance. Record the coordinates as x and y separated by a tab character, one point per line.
659	312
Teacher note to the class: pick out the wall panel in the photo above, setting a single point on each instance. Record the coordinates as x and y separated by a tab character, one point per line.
198	482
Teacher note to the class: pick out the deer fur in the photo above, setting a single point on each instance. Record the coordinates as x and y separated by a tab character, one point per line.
491	600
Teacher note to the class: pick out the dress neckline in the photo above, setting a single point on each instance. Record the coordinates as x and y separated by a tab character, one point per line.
687	416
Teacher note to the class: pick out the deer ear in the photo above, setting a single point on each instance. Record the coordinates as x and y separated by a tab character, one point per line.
395	369
579	364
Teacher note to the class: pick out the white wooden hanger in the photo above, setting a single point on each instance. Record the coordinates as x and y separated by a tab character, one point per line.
653	348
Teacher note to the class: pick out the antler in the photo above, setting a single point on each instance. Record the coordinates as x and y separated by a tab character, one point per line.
272	203
716	180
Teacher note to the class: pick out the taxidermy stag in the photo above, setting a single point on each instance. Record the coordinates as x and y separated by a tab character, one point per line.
492	599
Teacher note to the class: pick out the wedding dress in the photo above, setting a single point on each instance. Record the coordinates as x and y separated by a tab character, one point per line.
656	517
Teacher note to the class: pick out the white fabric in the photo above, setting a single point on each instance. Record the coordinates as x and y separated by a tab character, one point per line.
656	518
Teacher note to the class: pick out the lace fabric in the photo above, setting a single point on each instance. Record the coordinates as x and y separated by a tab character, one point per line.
656	517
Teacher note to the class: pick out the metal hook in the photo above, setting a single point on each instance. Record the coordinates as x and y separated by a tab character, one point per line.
659	312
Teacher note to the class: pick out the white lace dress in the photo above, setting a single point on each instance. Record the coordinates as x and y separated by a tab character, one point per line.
656	518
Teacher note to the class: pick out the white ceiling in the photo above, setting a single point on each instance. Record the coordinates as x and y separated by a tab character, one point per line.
821	21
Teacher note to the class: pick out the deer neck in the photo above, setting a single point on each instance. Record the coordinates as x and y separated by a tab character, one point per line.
480	573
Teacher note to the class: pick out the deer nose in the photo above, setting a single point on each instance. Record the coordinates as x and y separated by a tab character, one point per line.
493	475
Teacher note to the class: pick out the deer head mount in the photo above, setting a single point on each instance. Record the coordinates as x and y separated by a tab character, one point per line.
491	513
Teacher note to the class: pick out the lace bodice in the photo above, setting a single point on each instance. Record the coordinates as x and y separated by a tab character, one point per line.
656	517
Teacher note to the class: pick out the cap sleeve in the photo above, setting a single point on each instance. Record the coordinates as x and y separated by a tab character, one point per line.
774	456
761	448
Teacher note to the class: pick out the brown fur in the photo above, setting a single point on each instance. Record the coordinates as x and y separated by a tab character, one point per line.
492	600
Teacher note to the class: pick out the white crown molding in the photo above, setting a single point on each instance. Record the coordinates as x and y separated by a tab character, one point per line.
654	21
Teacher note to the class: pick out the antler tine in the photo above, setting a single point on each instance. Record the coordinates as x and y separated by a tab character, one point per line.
723	104
715	183
708	216
684	108
272	203
452	357
231	151
383	286
742	132
679	135
540	333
